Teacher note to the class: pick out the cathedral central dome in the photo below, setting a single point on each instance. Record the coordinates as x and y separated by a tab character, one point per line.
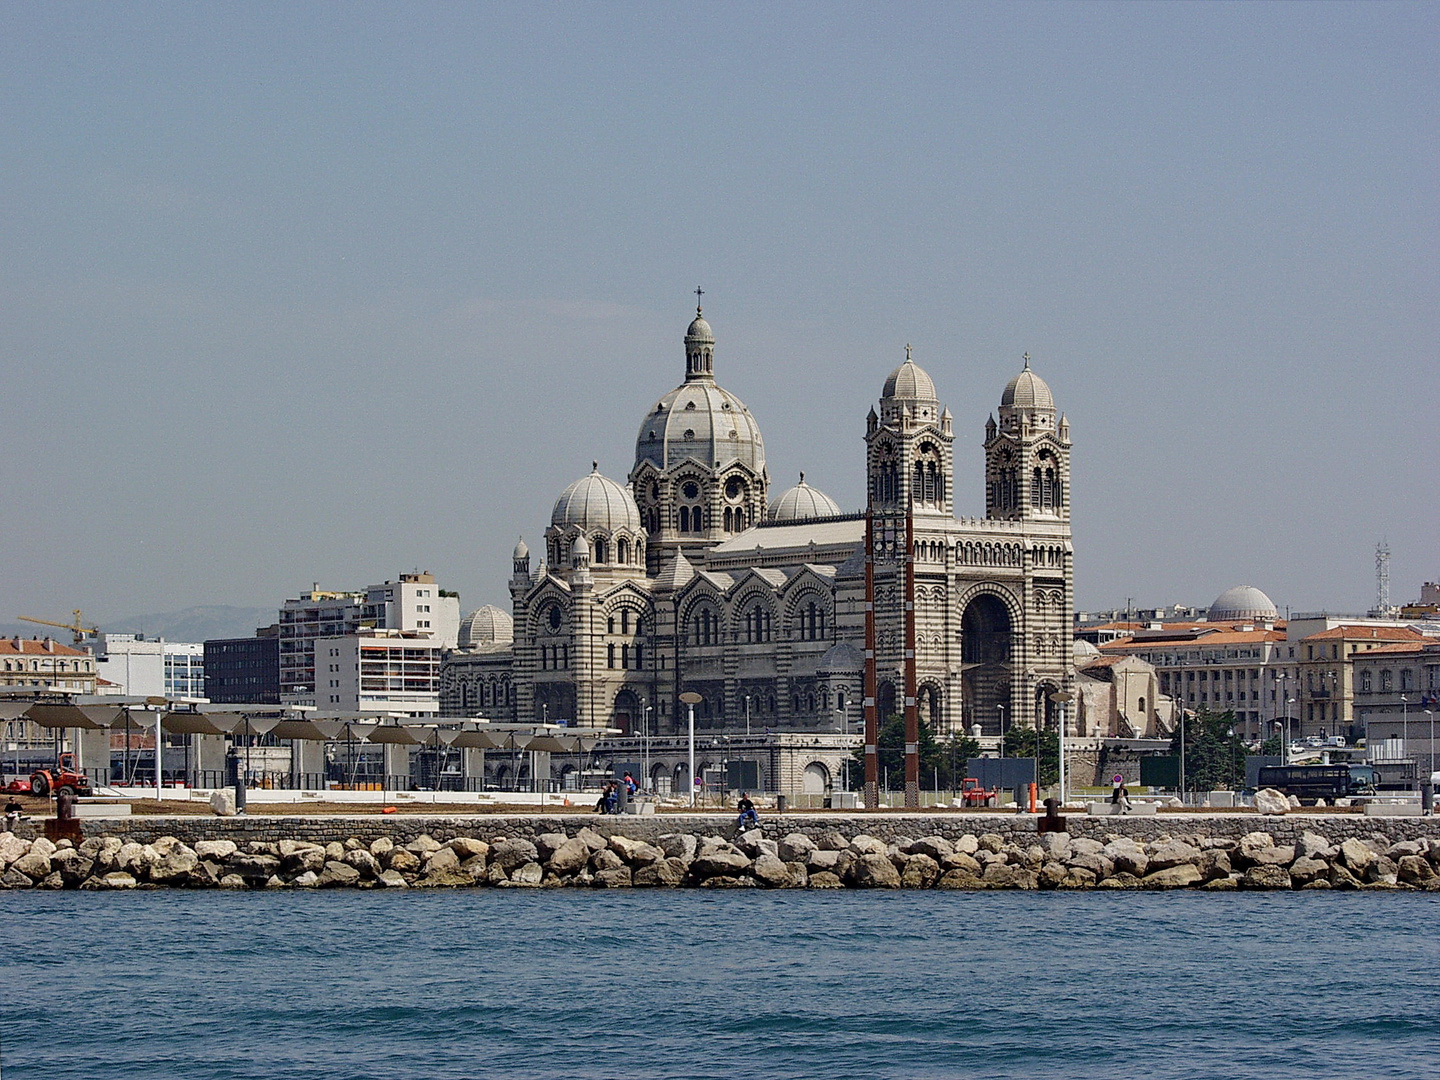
700	419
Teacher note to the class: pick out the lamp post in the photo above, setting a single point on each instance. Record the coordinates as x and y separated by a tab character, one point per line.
691	699
645	720
844	726
1431	714
1285	746
747	716
1405	727
1280	699
1001	710
1060	697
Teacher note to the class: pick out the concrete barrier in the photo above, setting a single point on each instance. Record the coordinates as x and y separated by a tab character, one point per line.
1375	809
101	810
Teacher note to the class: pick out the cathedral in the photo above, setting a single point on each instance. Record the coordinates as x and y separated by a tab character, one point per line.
690	576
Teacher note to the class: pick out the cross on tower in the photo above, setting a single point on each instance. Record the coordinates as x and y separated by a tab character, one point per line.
1026	358
699	292
907	352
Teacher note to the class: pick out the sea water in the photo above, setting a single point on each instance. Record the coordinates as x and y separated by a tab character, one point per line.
644	983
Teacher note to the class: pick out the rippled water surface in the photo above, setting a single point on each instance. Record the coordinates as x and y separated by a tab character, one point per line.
688	984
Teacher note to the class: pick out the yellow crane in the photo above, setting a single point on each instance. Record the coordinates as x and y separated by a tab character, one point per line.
75	626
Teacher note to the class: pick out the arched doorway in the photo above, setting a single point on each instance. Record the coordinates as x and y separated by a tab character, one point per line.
626	714
661	779
815	780
885	701
1047	713
985	637
928	701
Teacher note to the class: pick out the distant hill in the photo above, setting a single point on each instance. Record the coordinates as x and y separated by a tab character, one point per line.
193	624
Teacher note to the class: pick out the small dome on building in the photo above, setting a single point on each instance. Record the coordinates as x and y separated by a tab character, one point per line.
842	656
1027	391
1083	650
803	501
521	551
700	330
909	382
1243	603
596	502
488	625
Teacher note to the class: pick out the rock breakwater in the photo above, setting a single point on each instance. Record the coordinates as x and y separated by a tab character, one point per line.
582	856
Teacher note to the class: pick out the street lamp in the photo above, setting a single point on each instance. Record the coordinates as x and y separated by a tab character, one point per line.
1001	710
1405	727
645	721
1285	746
1060	697
845	759
691	699
1431	714
747	716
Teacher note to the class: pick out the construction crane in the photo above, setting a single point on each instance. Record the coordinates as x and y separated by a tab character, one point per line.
76	626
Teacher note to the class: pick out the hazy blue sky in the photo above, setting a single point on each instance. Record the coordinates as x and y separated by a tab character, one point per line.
298	292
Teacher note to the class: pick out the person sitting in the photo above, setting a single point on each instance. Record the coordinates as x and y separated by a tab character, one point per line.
12	813
631	785
606	803
748	817
1120	799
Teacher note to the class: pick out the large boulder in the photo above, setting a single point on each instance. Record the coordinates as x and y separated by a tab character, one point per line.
1414	870
546	844
14	879
1270	801
959	860
1214	864
769	871
252	867
1098	865
1171	853
874	871
635	852
868	845
305	860
679	846
11	848
1085	845
1000	875
468	847
821	861
445	860
617	878
1273	856
218	850
1356	855
720	864
362	860
392	879
423	845
833	841
33	865
174	868
592	839
406	862
1054	845
1304	870
796	847
1127	856
338	874
667	872
921	872
1175	877
1266	877
936	847
118	879
381	846
222	802
1314	846
570	857
531	874
608	860
513	852
74	866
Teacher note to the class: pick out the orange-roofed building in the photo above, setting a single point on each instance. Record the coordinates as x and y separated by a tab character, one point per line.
45	664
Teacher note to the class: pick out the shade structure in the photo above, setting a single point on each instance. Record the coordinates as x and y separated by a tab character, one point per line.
13	710
477	740
197	723
89	717
397	735
316	730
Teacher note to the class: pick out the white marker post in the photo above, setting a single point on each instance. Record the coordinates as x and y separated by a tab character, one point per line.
691	699
1060	697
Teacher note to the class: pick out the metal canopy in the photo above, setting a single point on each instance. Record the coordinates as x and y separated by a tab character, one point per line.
89	717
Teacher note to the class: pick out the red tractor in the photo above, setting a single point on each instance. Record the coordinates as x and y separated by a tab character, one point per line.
973	792
64	778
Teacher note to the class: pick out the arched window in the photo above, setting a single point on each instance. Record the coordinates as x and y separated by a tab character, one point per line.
684	519
729	520
622	552
624	656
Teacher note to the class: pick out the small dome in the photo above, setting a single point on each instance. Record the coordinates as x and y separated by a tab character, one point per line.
909	382
521	551
803	501
1084	649
596	502
488	625
1027	391
1243	603
579	551
700	330
842	656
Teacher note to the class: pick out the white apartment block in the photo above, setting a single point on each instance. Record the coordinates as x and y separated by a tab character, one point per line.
150	668
414	604
379	671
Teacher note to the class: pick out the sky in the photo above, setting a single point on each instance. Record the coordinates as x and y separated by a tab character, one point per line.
299	292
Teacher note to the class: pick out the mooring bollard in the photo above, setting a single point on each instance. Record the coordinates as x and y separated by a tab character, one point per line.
1052	821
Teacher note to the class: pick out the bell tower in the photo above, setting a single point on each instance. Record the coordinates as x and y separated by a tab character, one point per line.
1027	454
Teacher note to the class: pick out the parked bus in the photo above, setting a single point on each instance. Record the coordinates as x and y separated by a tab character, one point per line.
1327	782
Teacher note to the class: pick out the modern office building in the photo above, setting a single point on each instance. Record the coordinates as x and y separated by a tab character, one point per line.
244	670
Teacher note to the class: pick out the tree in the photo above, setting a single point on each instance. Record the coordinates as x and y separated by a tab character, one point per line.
1044	746
1274	746
1214	754
942	762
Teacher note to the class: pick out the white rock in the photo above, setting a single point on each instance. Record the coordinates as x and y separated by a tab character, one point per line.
223	802
1270	801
